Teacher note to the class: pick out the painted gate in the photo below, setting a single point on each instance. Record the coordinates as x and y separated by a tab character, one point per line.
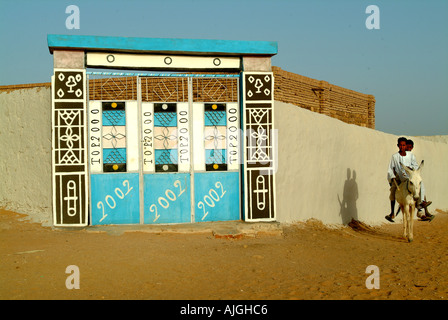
164	149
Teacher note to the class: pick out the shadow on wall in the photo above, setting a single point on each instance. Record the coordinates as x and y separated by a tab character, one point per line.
348	210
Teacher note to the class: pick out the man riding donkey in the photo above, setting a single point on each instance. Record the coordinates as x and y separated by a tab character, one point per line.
396	174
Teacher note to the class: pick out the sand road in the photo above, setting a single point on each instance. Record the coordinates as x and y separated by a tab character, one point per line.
304	261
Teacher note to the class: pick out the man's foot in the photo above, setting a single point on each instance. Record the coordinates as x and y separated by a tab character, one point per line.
427	217
390	218
424	204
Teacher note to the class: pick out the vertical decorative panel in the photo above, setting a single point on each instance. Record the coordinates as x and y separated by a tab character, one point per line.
70	187
114	156
114	136
165	137
132	137
215	131
183	130
259	146
94	129
233	136
198	137
148	137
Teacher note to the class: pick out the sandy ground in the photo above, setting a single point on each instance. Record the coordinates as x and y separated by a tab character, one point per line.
303	261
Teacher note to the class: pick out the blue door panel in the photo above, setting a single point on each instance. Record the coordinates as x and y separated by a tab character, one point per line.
216	196
115	198
167	198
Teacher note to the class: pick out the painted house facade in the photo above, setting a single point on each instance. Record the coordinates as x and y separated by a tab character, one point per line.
163	148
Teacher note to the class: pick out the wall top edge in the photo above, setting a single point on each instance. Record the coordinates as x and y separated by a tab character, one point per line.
162	45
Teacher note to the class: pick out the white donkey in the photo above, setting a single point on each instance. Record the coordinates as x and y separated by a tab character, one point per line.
406	195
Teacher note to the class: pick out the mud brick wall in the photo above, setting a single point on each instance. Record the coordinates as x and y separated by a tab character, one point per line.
315	95
325	98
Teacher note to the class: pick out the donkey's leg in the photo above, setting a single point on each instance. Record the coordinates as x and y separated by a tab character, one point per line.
411	222
404	209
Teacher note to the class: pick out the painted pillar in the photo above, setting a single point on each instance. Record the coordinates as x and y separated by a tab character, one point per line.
259	143
69	142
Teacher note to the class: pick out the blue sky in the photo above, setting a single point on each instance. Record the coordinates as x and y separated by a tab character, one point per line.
404	64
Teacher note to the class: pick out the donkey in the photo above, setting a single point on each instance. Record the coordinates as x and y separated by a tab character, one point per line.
408	192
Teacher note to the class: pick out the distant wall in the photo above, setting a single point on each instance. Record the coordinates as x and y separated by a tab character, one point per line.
25	150
333	172
322	97
443	139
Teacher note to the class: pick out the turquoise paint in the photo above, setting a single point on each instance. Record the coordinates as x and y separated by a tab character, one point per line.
215	118
114	155
115	198
165	119
162	45
166	156
114	118
216	196
167	198
215	156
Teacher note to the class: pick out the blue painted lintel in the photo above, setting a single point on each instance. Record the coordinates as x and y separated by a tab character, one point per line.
161	45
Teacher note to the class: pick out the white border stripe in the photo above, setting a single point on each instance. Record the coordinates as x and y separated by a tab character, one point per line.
233	136
161	62
132	141
198	137
148	137
95	120
183	134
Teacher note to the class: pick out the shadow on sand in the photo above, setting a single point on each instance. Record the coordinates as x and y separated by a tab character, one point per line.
366	230
349	211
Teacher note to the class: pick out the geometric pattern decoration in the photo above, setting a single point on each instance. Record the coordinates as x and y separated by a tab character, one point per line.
215	127
69	149
160	89
114	136
69	85
259	146
215	89
259	87
165	137
259	124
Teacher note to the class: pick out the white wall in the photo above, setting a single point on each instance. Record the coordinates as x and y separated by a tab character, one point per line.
317	153
25	152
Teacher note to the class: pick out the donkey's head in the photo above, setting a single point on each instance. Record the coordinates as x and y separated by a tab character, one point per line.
415	180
